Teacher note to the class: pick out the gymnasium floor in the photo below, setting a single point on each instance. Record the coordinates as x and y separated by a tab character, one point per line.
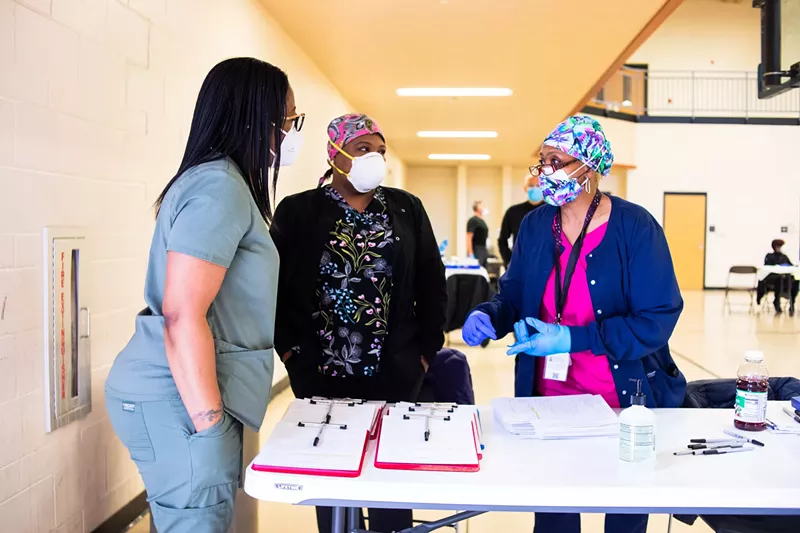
707	343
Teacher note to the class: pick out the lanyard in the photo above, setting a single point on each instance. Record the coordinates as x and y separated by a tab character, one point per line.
562	290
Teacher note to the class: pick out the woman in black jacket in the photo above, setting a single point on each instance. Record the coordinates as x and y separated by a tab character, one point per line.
361	290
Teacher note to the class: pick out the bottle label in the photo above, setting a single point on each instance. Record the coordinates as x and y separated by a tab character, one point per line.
636	443
750	406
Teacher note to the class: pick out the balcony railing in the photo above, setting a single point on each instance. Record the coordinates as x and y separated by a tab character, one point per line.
693	94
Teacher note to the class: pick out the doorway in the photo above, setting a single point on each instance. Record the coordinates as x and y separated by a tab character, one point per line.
685	228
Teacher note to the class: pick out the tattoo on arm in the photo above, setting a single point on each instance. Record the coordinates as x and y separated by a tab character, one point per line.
208	416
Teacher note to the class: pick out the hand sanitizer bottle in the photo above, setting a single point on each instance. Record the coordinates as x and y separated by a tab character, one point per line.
637	430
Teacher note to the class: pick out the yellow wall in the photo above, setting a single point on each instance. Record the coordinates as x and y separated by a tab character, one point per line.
436	187
485	184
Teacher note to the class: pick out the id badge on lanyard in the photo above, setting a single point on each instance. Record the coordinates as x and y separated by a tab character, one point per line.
556	366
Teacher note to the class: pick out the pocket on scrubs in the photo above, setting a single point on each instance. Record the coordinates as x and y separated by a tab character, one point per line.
185	423
245	381
213	519
216	461
128	422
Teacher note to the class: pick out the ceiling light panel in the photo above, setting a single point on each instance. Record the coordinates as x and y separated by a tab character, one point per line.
457	134
455	92
459	157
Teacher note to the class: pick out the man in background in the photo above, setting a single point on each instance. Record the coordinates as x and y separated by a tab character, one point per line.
513	217
781	284
477	233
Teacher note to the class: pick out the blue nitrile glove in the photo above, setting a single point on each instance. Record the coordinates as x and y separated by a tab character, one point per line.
550	339
477	328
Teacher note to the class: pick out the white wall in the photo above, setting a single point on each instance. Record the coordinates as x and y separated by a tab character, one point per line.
95	104
705	35
752	191
748	173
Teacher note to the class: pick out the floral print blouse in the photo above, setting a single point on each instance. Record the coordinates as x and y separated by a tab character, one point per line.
354	289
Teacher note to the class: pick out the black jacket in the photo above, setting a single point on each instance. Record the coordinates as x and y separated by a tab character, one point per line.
512	220
777	259
721	393
301	226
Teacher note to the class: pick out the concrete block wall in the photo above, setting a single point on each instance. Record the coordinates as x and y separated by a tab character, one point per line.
96	99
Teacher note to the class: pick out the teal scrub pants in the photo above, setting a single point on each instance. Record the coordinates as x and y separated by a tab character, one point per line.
191	478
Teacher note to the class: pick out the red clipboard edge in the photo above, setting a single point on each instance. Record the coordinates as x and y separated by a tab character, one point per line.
430	468
317	472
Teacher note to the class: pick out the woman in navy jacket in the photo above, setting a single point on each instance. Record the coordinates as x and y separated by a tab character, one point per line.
613	308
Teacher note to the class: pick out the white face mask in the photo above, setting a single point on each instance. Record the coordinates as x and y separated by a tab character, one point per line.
484	212
290	147
367	171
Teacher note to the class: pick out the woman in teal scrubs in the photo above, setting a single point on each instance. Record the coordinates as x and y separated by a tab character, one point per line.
200	362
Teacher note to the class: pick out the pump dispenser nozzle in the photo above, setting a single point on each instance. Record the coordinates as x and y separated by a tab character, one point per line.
638	398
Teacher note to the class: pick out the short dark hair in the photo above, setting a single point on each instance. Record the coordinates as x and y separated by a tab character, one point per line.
777	243
476	205
241	106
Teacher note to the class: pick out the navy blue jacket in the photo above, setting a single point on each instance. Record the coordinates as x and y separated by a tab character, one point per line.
449	379
634	291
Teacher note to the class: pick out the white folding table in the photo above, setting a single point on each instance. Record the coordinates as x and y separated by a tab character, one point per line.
581	475
766	270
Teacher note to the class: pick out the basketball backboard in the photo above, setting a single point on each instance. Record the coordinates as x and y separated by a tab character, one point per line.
779	70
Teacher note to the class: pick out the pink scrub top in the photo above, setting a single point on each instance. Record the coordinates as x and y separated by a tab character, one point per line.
588	373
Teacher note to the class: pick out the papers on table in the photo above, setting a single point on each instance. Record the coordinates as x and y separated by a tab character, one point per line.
327	437
782	422
320	437
556	417
440	437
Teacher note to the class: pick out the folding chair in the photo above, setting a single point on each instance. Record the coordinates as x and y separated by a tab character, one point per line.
738	272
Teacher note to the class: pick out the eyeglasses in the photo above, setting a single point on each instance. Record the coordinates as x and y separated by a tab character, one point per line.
297	121
549	170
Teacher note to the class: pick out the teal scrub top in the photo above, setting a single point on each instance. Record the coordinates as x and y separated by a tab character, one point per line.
210	214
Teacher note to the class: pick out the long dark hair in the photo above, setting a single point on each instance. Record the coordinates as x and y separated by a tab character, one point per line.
241	105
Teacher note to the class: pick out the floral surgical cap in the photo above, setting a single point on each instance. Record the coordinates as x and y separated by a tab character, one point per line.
347	128
583	138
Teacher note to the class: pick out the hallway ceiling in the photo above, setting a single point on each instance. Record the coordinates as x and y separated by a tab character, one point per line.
550	53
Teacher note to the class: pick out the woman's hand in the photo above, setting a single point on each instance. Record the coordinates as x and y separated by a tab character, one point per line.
425	364
477	328
550	339
206	418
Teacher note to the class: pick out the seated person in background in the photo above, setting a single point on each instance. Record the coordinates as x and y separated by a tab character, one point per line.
774	282
361	289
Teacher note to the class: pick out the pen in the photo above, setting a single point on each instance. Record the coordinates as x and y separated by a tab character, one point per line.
742	437
731	444
427	428
791	413
328	414
710	441
716	452
319	434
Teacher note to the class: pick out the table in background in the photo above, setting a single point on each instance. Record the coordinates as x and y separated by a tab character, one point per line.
468	271
766	270
581	475
786	273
